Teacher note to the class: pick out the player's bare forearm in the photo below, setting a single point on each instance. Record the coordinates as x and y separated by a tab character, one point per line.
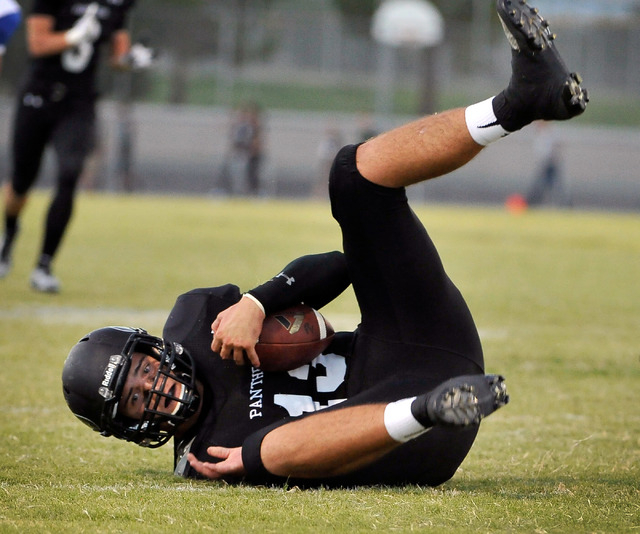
329	443
42	40
323	445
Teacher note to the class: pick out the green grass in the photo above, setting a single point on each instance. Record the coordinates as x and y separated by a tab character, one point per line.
555	295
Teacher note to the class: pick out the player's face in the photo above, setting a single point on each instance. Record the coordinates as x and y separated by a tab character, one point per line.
138	385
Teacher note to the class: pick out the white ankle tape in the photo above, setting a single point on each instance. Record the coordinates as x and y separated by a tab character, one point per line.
400	423
483	124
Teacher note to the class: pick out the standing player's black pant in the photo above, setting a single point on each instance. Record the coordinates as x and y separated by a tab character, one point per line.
51	116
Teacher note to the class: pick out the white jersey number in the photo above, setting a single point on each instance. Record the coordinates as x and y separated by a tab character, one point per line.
336	369
77	58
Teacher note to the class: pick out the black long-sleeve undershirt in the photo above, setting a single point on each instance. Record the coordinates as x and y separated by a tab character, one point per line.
315	280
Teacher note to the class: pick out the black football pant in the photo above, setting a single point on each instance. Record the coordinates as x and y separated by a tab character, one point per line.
67	125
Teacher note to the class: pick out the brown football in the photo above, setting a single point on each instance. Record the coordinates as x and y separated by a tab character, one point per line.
292	337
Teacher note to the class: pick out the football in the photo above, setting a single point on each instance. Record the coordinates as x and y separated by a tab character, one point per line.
292	337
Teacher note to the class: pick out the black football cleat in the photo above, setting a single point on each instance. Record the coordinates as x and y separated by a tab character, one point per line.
465	400
541	85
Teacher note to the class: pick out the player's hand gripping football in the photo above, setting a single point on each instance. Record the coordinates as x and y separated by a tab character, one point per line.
236	331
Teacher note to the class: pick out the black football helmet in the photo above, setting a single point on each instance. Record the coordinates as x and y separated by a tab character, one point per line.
95	373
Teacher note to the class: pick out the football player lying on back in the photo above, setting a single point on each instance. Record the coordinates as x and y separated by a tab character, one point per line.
400	399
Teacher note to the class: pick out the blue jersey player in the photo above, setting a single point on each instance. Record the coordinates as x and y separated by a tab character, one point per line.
10	17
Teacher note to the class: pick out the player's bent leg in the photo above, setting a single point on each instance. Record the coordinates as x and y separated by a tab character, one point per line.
60	210
461	401
429	147
541	87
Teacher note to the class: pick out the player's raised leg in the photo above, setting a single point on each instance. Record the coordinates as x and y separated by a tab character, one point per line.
418	151
541	87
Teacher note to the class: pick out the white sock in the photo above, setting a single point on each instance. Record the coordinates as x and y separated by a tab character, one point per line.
483	124
400	423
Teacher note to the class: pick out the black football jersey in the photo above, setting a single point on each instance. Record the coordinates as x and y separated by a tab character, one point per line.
242	404
76	67
240	400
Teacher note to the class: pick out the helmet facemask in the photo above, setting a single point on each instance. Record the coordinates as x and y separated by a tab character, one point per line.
96	372
156	427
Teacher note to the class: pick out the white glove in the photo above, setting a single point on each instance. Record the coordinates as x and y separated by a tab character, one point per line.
87	28
140	56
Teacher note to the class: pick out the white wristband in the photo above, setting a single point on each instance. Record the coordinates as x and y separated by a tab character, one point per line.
257	302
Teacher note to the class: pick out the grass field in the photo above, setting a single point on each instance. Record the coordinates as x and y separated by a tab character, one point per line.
556	296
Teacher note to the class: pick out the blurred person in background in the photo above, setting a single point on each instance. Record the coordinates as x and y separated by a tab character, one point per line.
328	146
57	105
366	127
241	171
548	182
10	17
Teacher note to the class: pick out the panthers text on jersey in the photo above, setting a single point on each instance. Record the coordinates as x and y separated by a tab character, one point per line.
240	400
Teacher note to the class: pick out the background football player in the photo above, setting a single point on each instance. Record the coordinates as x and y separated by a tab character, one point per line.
56	106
